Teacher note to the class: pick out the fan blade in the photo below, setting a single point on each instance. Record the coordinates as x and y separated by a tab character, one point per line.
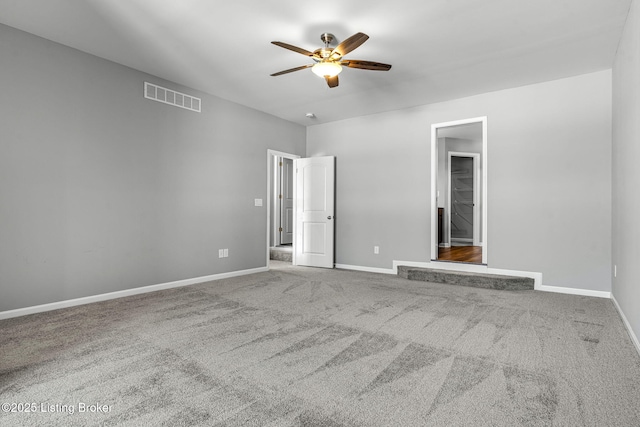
365	65
291	70
349	44
331	81
294	48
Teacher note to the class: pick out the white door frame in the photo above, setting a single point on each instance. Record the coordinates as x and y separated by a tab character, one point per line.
476	189
434	183
277	202
271	156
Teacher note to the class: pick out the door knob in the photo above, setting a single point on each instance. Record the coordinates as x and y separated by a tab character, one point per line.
329	217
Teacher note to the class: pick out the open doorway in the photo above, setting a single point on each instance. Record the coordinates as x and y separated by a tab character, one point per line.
283	201
459	217
280	206
311	188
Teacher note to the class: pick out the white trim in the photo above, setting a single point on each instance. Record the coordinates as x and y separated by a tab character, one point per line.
472	268
633	336
366	269
485	180
575	291
125	293
434	185
282	154
434	192
270	173
277	177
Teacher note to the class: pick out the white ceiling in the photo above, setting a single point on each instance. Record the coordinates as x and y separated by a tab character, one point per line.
439	49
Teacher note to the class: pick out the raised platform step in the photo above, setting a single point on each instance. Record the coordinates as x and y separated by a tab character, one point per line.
281	253
476	280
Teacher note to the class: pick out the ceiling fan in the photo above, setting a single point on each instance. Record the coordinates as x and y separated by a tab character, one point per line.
329	61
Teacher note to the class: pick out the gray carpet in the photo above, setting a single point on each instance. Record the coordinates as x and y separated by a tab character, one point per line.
314	347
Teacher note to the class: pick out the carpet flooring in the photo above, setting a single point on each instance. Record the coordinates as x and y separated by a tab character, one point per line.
313	347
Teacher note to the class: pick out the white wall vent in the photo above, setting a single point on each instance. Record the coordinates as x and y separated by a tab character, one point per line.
171	97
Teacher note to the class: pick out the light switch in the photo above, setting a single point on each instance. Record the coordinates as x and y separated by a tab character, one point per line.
257	202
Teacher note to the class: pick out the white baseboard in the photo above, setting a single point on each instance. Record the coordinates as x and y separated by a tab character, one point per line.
366	269
634	337
125	293
575	291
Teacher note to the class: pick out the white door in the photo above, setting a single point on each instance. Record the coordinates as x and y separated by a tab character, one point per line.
314	210
286	201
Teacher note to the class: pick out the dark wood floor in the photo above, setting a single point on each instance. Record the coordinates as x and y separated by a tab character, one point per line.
470	254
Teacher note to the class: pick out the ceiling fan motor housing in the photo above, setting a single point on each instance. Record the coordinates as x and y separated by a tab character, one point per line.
327	38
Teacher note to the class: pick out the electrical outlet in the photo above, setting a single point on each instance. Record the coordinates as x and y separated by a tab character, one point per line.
220	253
226	253
376	250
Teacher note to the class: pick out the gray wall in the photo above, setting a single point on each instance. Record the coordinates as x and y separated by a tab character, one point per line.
626	172
102	190
549	180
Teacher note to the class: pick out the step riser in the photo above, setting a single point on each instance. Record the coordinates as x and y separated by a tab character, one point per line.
476	280
280	255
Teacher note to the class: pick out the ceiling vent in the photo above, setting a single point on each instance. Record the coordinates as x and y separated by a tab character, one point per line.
171	97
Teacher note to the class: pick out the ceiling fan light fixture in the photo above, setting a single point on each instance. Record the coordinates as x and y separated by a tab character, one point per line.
329	61
323	69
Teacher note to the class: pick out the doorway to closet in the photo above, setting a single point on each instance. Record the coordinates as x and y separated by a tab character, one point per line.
459	216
